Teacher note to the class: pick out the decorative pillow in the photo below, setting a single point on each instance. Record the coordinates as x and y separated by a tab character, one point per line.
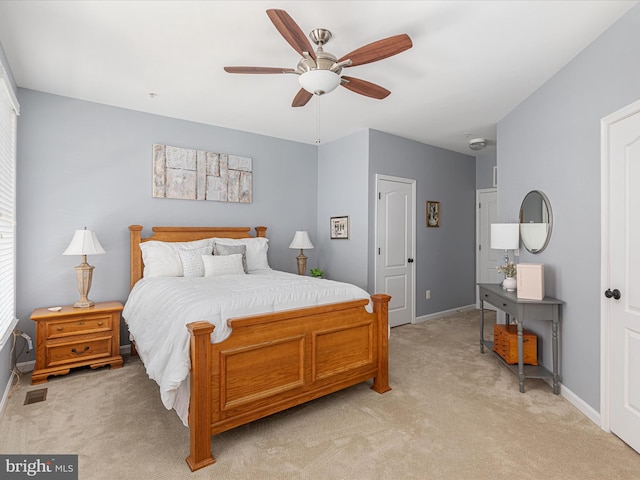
192	265
161	259
256	251
221	249
215	265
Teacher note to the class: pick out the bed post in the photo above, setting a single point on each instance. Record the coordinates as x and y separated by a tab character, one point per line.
135	233
200	404
381	309
261	231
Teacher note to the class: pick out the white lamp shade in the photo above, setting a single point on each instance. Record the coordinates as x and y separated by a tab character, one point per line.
505	236
84	242
301	240
319	81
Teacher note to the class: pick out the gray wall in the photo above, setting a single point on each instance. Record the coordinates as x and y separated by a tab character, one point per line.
564	162
5	352
85	164
343	189
485	161
445	256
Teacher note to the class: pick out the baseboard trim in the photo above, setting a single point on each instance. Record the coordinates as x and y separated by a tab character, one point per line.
5	396
26	366
445	313
586	409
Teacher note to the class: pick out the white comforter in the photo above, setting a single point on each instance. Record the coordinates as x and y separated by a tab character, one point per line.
159	308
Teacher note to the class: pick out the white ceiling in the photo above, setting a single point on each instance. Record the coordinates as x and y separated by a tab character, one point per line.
471	63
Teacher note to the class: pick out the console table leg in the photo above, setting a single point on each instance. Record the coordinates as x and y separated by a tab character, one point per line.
520	356
555	348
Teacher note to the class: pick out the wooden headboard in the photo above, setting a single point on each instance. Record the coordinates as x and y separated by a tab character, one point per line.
179	234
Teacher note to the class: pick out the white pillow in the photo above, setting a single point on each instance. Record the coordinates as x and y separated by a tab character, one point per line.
161	259
221	249
215	265
256	251
192	265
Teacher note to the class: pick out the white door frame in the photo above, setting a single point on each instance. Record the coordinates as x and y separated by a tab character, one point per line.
605	320
411	181
478	193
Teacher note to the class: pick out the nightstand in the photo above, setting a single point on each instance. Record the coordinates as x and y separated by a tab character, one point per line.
76	337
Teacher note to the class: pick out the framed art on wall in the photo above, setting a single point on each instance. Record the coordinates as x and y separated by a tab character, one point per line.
433	214
339	228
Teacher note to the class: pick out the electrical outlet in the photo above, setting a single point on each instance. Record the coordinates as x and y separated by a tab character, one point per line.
428	294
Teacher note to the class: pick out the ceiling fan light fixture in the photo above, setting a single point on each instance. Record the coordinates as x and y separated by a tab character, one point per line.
319	82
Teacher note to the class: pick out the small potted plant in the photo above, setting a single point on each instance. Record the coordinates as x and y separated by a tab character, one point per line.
509	270
316	272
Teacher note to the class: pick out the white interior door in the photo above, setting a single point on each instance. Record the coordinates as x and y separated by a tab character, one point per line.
487	258
621	267
395	220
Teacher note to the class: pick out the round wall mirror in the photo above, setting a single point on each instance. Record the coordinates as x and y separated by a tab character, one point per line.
536	221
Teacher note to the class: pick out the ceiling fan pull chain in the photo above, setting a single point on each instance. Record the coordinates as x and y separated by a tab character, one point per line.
318	120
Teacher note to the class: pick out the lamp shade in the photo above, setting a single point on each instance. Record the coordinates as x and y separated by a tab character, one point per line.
84	242
301	240
319	81
505	236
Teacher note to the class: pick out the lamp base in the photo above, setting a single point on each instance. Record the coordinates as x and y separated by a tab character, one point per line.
84	275
83	304
302	263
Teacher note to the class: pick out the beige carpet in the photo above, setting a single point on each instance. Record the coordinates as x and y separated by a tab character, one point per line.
452	414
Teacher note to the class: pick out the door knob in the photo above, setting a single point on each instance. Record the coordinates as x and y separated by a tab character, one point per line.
615	293
410	260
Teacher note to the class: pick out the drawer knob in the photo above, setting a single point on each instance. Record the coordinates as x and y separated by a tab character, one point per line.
80	353
99	324
80	323
59	329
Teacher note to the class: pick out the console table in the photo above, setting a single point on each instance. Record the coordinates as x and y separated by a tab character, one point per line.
547	309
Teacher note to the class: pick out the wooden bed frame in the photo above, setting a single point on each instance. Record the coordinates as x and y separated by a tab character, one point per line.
273	361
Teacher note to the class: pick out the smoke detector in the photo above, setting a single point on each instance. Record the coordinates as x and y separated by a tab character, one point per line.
477	143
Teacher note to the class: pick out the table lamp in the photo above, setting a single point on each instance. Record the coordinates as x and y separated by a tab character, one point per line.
84	242
505	236
301	240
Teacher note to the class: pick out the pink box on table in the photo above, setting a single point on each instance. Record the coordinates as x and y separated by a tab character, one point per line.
530	279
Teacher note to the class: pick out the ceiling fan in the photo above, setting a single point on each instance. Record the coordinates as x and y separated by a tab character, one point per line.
320	71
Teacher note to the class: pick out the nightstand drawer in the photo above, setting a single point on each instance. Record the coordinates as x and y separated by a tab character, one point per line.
59	354
65	328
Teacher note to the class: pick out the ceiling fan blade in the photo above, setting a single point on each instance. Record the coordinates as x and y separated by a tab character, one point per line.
291	32
365	88
378	50
301	98
258	70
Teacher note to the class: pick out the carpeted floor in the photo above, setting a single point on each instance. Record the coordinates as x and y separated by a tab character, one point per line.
452	414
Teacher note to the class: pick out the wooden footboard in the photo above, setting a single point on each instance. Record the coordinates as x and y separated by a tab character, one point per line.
275	361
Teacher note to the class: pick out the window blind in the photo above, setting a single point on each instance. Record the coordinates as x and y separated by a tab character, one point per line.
9	110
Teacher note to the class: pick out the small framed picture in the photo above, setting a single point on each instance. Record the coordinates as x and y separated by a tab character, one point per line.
339	228
433	214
